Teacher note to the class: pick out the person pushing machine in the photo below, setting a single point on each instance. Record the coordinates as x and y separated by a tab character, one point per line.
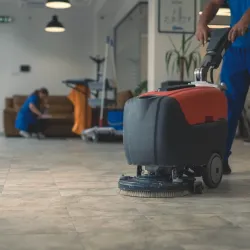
235	72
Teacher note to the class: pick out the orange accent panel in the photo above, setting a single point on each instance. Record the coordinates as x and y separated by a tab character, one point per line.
82	111
198	103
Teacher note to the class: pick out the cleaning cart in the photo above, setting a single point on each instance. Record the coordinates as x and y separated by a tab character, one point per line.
104	88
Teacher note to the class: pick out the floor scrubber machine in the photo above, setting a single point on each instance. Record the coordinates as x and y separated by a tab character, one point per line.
178	133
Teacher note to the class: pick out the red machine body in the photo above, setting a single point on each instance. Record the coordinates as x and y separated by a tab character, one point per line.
175	127
199	104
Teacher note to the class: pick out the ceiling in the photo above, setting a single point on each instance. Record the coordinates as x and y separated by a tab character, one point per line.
42	2
110	7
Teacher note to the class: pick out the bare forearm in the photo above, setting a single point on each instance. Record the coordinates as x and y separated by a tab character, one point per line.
209	12
246	17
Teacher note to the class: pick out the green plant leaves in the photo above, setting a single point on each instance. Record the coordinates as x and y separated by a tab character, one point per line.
183	44
192	61
180	59
142	87
172	57
187	47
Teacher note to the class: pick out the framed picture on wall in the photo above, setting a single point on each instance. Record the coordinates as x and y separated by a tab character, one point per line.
177	16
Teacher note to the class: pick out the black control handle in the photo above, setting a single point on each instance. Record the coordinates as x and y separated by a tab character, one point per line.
215	50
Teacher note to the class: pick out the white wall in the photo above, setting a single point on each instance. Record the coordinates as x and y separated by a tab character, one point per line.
159	44
144	57
164	45
52	57
105	26
131	72
128	54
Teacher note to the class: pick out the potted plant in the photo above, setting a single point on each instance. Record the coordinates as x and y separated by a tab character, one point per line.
182	60
141	88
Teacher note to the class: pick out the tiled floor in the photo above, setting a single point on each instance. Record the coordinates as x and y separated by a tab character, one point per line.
61	195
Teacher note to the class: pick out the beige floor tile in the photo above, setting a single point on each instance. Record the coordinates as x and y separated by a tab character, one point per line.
113	223
35	224
71	187
41	242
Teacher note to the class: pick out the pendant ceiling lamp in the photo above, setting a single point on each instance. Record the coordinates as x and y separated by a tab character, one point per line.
58	4
224	10
54	26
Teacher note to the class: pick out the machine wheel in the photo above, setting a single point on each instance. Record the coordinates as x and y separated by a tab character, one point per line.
213	172
85	138
139	170
198	188
95	137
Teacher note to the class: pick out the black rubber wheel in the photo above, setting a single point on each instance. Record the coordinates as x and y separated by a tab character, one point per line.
213	172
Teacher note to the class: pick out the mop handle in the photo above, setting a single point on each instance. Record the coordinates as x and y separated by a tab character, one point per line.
104	81
113	63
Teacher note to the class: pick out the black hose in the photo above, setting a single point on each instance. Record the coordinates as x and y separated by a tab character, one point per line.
212	75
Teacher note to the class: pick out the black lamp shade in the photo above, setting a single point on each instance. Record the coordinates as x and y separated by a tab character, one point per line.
58	4
54	25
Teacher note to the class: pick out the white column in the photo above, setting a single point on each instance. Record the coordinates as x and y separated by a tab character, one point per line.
158	45
152	32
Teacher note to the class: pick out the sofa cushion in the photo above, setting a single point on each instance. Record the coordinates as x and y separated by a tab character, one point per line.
58	100
18	101
63	108
68	116
58	104
8	103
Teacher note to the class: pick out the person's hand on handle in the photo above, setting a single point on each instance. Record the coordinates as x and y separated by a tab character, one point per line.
202	33
208	14
239	29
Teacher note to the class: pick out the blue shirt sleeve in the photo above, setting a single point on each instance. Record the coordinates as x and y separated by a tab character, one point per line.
33	99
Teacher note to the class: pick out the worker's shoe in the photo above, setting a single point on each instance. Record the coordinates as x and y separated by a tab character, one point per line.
24	134
40	136
226	168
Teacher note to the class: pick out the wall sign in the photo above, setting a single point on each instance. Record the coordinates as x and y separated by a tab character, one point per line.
177	16
6	19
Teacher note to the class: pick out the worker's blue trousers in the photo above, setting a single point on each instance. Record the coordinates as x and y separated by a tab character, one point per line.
235	74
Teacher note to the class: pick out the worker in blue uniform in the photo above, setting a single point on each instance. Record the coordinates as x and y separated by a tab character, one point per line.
235	73
27	120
